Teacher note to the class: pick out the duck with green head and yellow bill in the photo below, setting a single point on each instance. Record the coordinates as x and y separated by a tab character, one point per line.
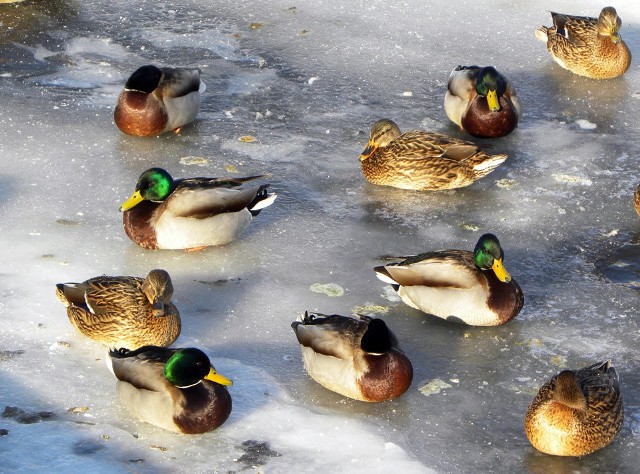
123	311
424	161
176	389
192	213
590	47
576	412
458	285
481	101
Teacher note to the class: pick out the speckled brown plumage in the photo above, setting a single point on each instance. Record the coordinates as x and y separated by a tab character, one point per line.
356	357
422	160
636	199
586	46
123	311
576	412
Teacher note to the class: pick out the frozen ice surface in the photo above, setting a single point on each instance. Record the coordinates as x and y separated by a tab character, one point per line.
307	80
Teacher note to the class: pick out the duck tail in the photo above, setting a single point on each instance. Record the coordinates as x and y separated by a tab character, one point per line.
542	34
383	275
263	199
484	164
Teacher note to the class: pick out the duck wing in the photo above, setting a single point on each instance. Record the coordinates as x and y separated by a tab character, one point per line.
177	82
200	198
445	268
142	368
334	335
419	145
104	294
462	82
577	29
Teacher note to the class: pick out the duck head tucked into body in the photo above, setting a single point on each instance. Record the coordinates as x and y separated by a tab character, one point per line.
158	100
355	357
474	288
482	101
123	311
576	412
192	213
176	389
424	161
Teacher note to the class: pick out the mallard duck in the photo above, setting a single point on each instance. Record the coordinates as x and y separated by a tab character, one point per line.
577	412
193	213
175	389
422	160
473	288
355	357
482	101
590	47
123	311
636	199
158	100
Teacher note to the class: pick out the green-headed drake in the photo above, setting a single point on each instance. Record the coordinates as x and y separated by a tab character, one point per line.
123	311
590	47
473	288
158	100
355	357
175	389
422	161
577	412
481	101
191	213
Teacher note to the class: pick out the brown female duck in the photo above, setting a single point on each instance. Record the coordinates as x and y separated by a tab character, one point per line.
123	311
577	412
590	47
421	160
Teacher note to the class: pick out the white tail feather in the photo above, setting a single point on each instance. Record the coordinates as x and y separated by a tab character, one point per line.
266	202
386	278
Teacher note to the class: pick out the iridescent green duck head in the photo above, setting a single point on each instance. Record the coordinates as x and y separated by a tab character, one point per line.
155	184
188	367
488	255
492	85
383	132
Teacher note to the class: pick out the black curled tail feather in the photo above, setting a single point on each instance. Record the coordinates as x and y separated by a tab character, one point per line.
261	195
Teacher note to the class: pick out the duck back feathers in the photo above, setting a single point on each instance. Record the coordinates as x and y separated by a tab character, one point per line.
590	47
123	311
